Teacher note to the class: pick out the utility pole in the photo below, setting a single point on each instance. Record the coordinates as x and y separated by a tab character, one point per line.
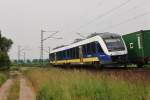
18	62
49	49
41	55
20	50
24	57
44	39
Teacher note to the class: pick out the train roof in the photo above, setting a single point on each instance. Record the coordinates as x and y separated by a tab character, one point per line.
105	35
92	38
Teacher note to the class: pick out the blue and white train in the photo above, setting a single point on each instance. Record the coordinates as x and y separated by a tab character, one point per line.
103	48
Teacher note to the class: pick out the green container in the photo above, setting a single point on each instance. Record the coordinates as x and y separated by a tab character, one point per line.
138	45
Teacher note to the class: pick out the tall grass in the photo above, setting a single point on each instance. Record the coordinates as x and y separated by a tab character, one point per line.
3	78
58	84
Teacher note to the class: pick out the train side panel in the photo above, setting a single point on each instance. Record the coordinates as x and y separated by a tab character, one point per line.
131	41
146	41
138	46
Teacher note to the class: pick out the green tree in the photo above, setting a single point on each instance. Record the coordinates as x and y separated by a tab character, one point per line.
5	45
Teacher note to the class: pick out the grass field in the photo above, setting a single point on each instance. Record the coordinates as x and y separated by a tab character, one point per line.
59	84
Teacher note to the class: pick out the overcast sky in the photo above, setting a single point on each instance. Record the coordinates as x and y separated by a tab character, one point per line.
22	20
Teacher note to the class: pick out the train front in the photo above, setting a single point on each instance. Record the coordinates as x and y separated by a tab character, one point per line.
115	49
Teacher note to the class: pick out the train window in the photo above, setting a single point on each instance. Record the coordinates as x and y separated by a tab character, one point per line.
73	52
63	53
93	47
68	53
77	52
52	57
88	48
57	56
99	48
84	50
131	45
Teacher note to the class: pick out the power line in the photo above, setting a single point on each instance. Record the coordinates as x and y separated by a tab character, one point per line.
86	12
80	34
133	8
44	39
20	51
98	4
105	14
128	20
137	6
142	4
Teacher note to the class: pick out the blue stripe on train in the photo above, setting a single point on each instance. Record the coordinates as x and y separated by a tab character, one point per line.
104	58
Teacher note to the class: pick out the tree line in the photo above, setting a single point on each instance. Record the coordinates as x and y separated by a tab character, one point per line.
5	45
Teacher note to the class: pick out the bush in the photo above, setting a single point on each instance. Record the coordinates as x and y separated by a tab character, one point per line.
3	78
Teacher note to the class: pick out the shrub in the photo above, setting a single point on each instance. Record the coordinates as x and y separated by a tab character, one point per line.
3	78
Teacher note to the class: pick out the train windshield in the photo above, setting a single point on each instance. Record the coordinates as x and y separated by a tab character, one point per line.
114	44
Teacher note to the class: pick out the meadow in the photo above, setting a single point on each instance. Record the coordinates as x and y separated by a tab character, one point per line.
61	84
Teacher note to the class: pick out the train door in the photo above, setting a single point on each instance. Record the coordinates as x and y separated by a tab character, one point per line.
80	54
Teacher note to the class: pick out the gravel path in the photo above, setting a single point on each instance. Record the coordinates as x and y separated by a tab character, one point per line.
26	92
4	90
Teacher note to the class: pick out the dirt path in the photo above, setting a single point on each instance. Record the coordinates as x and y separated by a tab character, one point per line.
4	90
26	92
